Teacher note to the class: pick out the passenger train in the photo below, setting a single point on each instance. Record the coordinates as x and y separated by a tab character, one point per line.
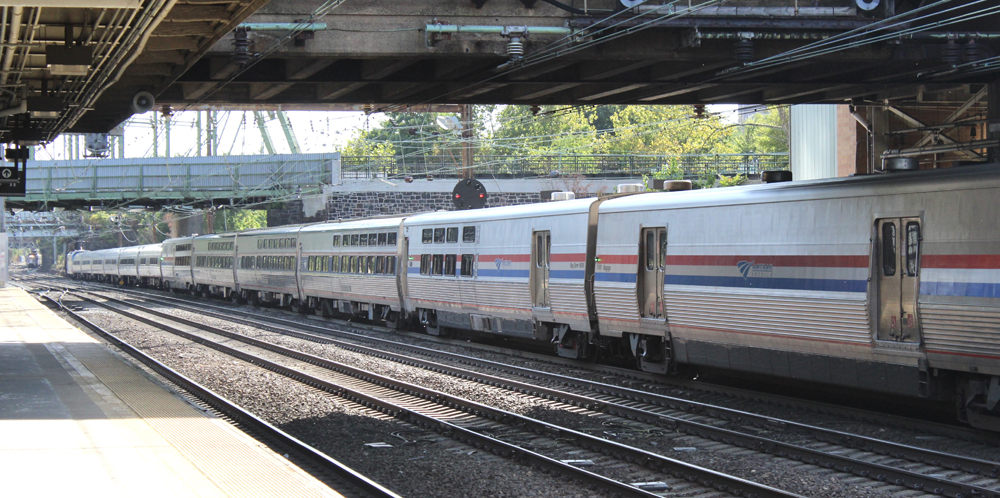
887	283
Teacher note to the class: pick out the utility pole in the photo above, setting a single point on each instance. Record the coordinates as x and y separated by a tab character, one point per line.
468	133
198	125
166	135
156	133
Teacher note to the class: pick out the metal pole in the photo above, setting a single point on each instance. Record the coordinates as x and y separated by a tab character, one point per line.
166	135
156	138
467	134
199	132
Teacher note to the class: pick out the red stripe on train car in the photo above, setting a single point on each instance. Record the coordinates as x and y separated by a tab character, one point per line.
968	261
840	261
619	259
567	258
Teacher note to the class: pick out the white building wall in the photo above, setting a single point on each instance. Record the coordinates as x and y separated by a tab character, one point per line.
813	153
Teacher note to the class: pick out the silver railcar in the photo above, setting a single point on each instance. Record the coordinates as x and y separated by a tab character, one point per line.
351	268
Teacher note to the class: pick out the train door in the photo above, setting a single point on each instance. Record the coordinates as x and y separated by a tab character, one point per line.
542	247
652	266
898	269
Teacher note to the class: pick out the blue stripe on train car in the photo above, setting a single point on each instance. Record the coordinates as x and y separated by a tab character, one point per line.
484	272
962	289
811	284
567	274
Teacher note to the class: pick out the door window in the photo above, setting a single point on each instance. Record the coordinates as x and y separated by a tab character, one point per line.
889	249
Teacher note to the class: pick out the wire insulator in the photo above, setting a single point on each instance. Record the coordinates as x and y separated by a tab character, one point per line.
241	47
515	48
744	50
951	53
972	52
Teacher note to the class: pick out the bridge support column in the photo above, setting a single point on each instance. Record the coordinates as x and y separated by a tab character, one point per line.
993	125
185	224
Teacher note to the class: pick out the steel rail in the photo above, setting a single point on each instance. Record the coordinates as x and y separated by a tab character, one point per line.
705	477
235	412
914	480
952	431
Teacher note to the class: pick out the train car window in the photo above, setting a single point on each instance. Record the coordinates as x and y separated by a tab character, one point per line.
350	264
258	244
336	240
381	239
334	263
379	265
363	239
142	261
354	239
324	264
912	248
371	265
439	236
360	265
373	239
548	250
449	264
889	249
438	265
468	263
663	249
539	251
425	264
391	238
427	236
390	265
311	263
468	234
452	236
650	249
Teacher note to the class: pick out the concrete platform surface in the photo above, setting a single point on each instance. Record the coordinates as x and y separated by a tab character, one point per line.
77	420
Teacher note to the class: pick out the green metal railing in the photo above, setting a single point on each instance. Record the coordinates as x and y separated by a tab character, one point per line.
590	166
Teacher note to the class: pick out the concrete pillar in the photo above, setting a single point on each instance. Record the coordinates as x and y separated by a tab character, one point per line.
993	115
185	224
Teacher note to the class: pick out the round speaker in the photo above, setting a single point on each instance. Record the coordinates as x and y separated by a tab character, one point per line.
142	102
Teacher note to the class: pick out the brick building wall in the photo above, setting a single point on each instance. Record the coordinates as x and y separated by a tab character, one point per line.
848	148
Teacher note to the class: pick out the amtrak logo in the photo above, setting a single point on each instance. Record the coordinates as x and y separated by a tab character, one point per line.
502	263
753	269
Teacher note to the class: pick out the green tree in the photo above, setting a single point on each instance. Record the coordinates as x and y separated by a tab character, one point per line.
763	132
663	130
239	220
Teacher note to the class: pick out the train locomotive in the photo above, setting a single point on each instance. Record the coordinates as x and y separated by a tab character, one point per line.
887	283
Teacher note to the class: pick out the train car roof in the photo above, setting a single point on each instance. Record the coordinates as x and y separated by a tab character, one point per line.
286	229
575	206
369	223
860	186
177	240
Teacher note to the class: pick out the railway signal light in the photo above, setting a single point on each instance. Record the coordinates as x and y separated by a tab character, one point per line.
469	194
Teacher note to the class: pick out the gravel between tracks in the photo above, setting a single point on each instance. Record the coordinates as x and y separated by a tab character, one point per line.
419	463
413	459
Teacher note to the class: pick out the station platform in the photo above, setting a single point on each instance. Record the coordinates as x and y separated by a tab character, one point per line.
77	420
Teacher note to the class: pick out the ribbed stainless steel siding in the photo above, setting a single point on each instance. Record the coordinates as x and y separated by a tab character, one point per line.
379	289
973	332
615	303
505	299
792	316
813	148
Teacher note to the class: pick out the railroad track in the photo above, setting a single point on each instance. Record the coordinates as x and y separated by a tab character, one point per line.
649	381
338	476
582	457
937	473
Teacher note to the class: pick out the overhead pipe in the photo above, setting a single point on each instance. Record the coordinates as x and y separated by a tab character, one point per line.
497	30
12	37
18	109
939	149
